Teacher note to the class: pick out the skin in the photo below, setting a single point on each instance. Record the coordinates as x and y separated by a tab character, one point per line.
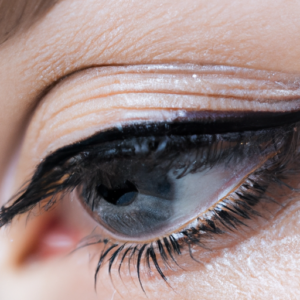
75	36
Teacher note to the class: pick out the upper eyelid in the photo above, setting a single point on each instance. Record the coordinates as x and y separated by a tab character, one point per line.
258	85
207	83
63	94
49	103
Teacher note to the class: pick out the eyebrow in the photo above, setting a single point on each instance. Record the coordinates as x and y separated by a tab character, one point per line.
19	15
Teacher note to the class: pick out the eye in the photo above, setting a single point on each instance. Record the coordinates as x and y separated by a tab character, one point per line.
141	188
158	188
166	185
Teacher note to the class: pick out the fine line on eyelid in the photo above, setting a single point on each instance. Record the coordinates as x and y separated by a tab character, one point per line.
232	94
182	69
218	71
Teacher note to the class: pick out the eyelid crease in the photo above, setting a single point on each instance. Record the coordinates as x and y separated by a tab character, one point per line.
181	79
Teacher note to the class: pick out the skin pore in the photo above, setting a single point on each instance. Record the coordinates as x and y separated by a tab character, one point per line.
49	68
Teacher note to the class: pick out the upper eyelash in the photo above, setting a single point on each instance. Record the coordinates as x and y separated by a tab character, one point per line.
168	247
37	189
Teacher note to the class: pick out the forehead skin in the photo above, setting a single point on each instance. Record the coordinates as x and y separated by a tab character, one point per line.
78	34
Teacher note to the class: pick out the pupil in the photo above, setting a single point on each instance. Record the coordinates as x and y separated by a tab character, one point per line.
122	196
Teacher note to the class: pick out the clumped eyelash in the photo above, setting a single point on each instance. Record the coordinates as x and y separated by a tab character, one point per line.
225	217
